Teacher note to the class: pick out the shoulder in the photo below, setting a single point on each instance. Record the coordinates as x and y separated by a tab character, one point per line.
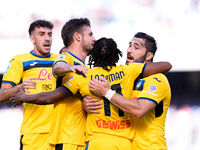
157	76
20	57
53	55
158	80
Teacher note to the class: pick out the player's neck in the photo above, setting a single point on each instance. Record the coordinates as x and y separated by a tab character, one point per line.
78	53
40	54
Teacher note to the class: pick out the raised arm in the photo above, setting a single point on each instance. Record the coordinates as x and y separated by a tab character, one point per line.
40	98
61	68
157	67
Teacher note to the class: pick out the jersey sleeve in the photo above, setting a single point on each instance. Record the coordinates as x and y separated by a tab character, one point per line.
156	88
136	69
73	84
14	72
64	57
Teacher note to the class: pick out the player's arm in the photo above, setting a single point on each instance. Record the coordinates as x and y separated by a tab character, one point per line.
8	89
61	68
133	107
40	98
157	67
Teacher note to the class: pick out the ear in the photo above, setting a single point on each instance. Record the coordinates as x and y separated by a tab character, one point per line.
149	56
77	36
32	39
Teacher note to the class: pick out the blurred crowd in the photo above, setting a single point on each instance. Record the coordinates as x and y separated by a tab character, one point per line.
174	24
183	128
169	16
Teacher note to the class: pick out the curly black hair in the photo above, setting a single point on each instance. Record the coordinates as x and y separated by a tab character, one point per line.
104	54
39	23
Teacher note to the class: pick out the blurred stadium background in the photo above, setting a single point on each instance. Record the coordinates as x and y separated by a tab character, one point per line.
174	24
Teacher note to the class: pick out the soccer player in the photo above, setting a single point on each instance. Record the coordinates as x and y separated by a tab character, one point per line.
36	64
69	119
111	128
150	100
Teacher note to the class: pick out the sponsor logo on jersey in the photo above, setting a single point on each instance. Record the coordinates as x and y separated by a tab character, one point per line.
113	125
46	87
44	75
34	63
7	69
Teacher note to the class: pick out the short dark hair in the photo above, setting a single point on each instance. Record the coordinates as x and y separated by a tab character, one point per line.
62	49
72	26
150	42
104	54
40	23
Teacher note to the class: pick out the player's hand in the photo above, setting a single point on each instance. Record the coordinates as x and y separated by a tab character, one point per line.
91	105
78	69
28	84
99	87
17	98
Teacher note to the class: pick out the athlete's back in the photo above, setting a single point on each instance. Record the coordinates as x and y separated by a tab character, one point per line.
111	120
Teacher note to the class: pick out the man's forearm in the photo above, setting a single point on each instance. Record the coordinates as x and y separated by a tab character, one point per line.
61	69
5	94
123	103
40	98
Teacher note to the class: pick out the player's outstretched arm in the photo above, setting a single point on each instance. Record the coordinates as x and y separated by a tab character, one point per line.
61	68
157	67
8	89
40	98
133	107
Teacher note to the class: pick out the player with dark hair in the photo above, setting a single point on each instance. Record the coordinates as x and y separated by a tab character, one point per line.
99	56
111	128
35	65
69	119
150	100
63	50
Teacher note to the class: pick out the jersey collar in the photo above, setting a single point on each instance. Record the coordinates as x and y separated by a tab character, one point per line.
39	55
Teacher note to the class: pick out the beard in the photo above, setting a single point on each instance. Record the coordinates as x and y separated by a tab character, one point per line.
138	60
141	59
86	47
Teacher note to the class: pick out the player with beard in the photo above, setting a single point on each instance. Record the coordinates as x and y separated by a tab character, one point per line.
69	119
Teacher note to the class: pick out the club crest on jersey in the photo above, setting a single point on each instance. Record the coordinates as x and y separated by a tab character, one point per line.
61	57
69	80
7	69
152	88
